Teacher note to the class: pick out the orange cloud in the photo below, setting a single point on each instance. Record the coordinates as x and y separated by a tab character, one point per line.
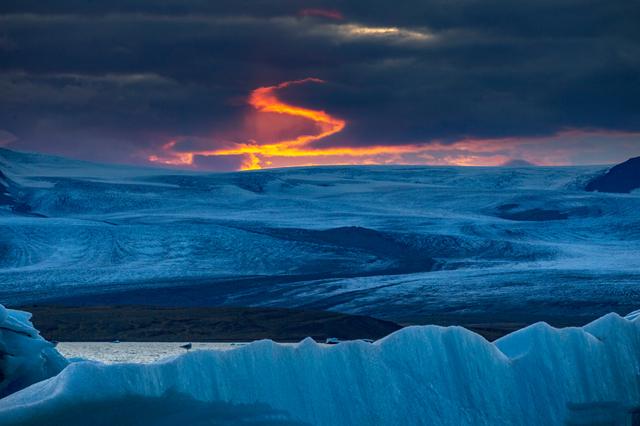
285	135
257	155
265	100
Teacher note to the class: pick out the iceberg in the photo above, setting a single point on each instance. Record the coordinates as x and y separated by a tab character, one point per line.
419	375
632	316
25	357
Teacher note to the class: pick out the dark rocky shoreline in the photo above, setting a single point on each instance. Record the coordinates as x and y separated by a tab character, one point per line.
228	324
137	323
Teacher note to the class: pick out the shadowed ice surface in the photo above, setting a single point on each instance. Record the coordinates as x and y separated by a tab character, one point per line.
420	375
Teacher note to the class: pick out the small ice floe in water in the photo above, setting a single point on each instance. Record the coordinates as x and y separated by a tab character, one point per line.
187	346
115	341
332	341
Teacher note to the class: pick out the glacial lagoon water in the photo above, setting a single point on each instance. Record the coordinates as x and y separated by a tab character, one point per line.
135	352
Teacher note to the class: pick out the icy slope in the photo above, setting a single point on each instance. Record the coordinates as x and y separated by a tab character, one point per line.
25	357
417	376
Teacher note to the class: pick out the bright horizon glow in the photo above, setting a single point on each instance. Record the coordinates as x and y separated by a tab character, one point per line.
300	151
257	156
265	100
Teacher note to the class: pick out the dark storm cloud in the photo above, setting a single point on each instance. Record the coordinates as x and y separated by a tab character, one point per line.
119	78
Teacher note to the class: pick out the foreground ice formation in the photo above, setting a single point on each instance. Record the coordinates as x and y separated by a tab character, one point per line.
419	375
25	357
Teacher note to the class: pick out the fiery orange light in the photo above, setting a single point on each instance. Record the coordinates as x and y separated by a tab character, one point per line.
256	155
300	150
265	99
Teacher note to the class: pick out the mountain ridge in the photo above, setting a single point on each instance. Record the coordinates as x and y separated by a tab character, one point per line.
621	178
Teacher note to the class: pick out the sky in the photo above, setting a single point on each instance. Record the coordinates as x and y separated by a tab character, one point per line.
228	85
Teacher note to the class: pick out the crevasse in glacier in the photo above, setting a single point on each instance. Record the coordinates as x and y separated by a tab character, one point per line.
418	375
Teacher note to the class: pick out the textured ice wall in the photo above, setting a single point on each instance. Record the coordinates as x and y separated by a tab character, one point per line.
25	357
419	375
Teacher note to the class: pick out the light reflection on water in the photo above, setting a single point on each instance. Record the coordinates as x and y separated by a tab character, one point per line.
137	352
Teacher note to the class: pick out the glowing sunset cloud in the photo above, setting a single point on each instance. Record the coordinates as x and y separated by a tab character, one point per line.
175	158
256	155
299	150
265	99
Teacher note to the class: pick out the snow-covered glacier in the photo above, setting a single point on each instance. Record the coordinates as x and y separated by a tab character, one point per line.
421	375
403	243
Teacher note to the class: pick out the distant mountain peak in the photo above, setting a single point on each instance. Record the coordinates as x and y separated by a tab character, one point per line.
622	178
518	162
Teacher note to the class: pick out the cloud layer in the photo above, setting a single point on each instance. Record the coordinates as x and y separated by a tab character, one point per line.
466	82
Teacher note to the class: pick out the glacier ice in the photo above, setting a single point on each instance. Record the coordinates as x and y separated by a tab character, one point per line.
25	357
633	315
427	375
490	242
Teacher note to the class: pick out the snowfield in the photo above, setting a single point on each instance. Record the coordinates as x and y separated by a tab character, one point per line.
402	243
421	375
